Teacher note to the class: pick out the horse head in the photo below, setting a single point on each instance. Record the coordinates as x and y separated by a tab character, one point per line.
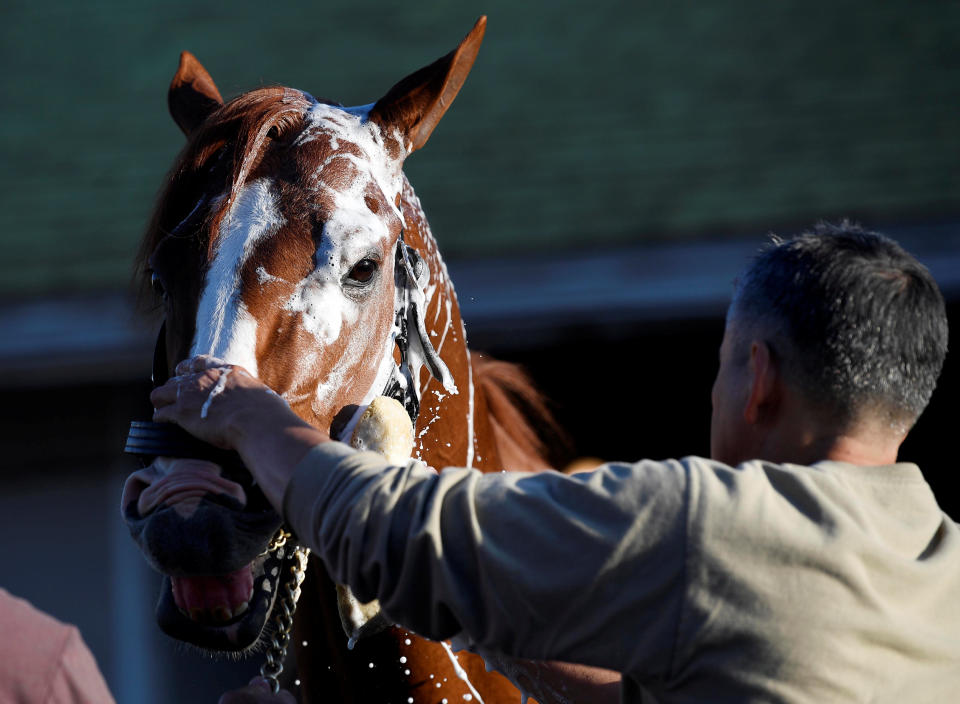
288	241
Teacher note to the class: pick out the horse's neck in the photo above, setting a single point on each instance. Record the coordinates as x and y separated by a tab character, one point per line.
478	426
445	429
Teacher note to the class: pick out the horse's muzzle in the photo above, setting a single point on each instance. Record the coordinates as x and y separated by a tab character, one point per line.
201	521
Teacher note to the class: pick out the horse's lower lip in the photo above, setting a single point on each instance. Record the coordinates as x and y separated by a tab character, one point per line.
208	630
214	598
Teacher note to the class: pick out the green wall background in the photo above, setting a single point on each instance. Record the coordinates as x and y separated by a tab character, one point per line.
583	125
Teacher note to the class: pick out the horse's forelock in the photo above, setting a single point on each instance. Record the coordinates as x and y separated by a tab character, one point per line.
238	132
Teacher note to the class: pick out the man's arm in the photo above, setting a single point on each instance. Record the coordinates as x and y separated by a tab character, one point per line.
586	569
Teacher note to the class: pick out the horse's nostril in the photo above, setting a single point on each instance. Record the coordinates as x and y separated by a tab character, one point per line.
178	483
133	488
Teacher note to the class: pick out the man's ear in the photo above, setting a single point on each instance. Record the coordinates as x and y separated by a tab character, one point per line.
764	384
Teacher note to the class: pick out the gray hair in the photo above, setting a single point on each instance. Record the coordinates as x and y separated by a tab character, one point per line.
855	322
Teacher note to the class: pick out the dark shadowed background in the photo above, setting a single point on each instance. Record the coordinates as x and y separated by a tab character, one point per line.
604	174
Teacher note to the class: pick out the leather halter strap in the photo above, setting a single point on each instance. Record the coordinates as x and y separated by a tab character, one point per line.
401	386
159	375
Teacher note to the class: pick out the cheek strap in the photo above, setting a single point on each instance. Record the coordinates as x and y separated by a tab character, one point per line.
411	276
160	372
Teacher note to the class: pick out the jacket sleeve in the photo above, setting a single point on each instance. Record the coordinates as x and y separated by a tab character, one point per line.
585	568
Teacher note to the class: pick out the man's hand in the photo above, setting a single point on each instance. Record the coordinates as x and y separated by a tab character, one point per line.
217	402
257	692
228	407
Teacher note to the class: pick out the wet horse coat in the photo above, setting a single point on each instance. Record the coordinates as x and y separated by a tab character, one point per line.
288	241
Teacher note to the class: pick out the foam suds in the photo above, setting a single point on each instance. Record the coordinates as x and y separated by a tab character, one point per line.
470	438
215	391
460	672
224	326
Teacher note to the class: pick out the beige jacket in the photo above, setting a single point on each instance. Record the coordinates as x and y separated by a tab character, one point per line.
698	581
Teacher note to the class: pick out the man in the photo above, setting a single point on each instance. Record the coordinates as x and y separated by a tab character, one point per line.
801	563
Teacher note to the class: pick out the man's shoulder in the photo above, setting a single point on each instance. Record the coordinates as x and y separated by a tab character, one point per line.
721	488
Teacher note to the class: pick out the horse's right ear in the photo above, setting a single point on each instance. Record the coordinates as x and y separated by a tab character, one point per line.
416	104
193	95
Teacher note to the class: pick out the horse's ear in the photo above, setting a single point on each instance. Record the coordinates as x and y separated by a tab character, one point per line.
193	95
416	104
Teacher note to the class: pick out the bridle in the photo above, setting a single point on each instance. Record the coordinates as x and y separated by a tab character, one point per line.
149	440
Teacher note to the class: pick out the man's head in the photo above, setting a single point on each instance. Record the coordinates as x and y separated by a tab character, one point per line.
849	325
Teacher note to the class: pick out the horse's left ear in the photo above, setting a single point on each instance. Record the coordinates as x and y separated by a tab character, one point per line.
416	104
193	95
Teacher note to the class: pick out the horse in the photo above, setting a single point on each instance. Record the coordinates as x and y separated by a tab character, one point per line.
287	240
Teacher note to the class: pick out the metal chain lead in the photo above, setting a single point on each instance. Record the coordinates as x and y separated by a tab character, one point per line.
284	609
278	540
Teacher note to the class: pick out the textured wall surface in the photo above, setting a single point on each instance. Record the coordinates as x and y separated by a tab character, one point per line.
608	123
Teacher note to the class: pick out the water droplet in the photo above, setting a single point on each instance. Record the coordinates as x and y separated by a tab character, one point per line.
407	641
296	682
431	676
304	644
467	697
403	658
406	672
370	666
410	700
439	685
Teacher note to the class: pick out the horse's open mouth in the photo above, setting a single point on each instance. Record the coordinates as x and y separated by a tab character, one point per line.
216	599
227	612
209	533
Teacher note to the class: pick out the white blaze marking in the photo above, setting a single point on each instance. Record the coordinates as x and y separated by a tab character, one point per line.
225	328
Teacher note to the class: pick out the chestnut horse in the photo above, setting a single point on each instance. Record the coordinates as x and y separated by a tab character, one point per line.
288	240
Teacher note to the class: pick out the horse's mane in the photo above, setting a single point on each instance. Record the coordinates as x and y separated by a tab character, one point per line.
528	435
218	158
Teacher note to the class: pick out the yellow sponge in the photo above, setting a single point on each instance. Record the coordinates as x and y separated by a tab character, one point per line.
385	428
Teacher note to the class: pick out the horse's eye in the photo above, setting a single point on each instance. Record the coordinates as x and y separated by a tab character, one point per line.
363	271
157	285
